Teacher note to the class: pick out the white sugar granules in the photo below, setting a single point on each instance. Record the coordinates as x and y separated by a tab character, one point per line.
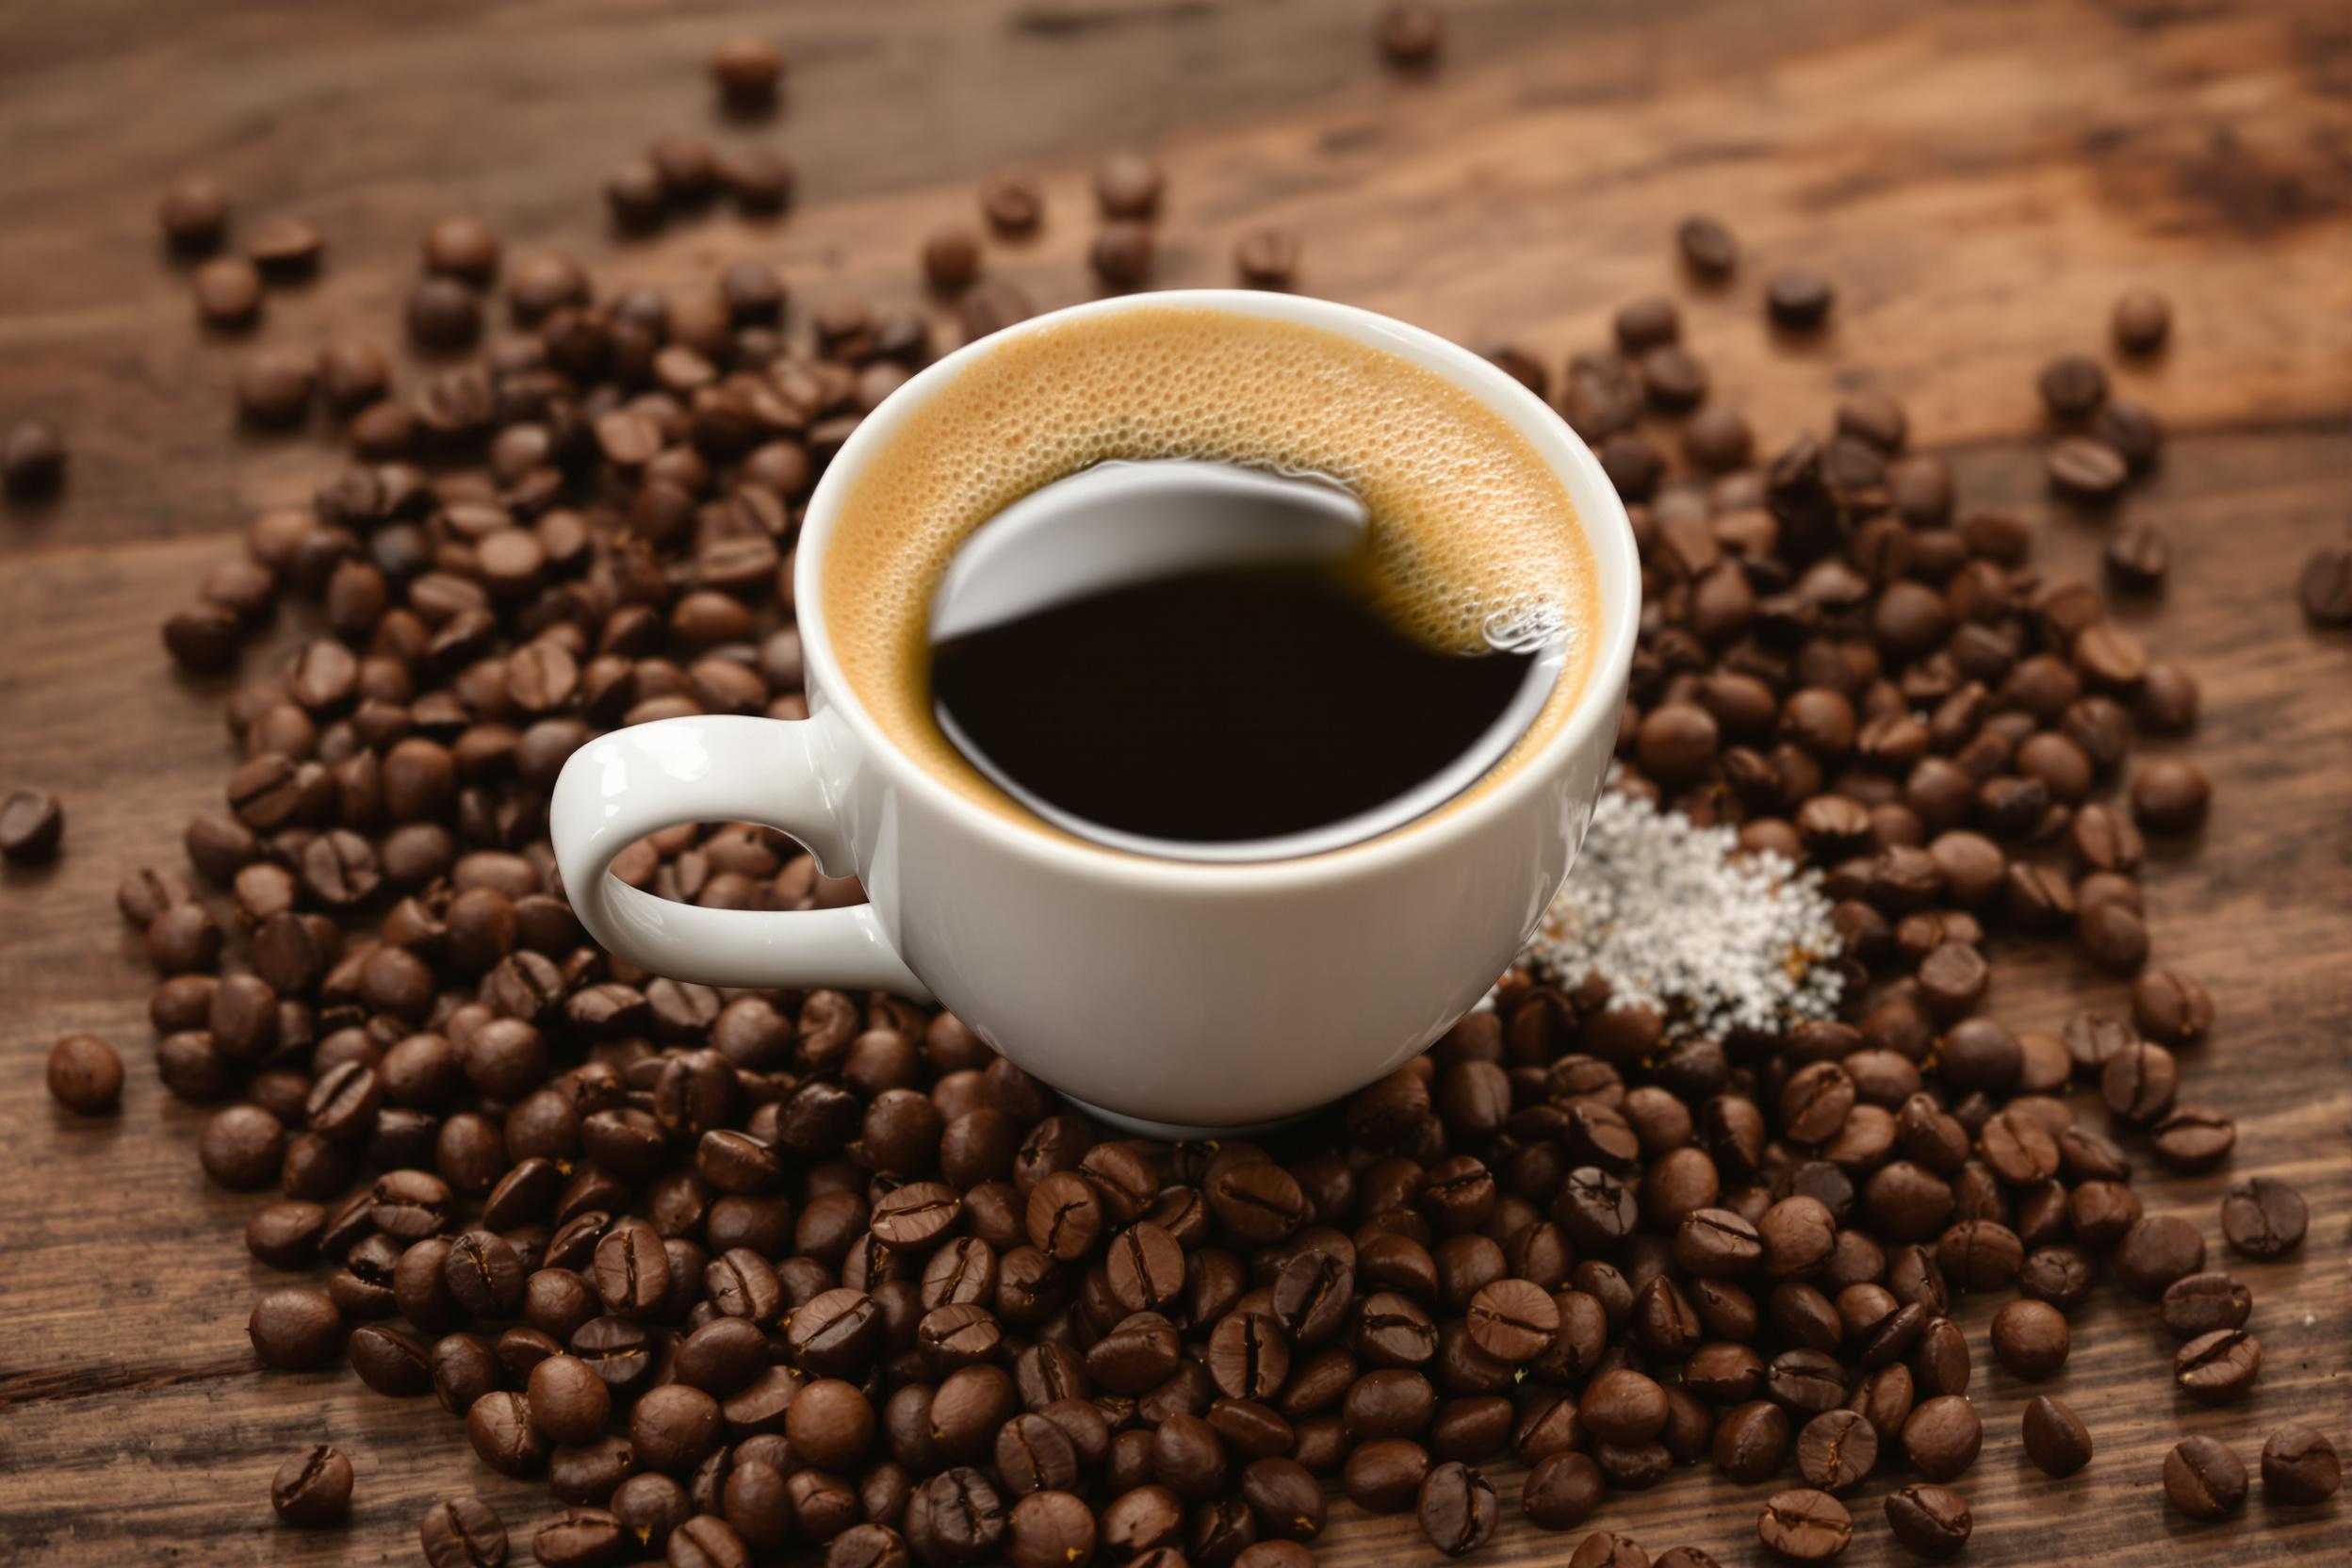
1680	919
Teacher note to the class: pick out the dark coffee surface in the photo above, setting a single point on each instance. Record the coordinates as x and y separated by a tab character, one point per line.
1220	705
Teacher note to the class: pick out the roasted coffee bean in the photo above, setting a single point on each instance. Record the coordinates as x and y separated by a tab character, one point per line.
313	1488
2324	587
295	1329
1798	299
85	1075
463	1532
1751	1441
2204	1480
1609	1549
1513	1320
1457	1508
1804	1526
1707	247
2072	385
581	1537
2218	1368
1012	204
2156	1252
570	1400
2030	1338
1932	1521
631	1271
2198	1304
1837	1450
228	292
1411	35
1266	258
2141	320
498	1426
2169	796
1623	1406
2264	1219
1050	1529
2300	1466
32	459
2055	1439
957	1517
2194	1138
1942	1437
1384	1476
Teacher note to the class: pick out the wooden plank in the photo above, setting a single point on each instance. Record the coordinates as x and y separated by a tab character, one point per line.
1979	180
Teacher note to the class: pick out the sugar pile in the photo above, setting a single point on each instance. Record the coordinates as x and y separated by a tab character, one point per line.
1677	917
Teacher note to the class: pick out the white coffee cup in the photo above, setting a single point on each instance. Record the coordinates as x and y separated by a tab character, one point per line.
1173	999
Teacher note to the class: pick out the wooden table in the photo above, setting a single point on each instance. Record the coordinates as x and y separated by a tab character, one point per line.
1980	181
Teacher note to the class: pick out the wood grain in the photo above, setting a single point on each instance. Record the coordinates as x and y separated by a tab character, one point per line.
1979	181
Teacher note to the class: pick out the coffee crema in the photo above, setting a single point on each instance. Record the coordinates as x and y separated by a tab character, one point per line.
1474	541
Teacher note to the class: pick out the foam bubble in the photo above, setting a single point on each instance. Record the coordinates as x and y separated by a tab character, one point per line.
1475	540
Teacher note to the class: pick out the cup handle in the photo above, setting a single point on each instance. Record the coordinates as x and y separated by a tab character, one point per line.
717	768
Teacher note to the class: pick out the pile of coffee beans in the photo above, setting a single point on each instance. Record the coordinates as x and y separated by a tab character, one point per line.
735	1270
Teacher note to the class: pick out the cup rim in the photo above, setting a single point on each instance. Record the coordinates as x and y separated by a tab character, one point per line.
1599	510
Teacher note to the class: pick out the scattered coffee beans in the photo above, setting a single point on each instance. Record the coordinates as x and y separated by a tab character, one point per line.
734	1269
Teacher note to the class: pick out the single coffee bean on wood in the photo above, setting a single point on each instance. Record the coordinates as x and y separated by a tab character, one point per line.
313	1488
2324	587
2055	1438
2142	318
2218	1367
85	1075
2204	1480
1707	248
463	1532
32	458
2300	1466
31	826
2264	1219
1411	35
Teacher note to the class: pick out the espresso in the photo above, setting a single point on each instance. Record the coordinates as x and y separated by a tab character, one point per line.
1471	542
1233	705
